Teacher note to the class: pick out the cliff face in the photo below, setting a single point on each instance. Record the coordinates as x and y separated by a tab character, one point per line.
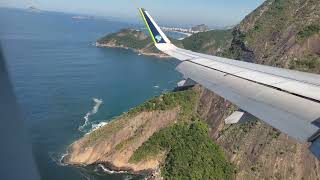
257	150
165	133
115	143
281	33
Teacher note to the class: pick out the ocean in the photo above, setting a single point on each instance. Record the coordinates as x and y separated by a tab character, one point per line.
66	86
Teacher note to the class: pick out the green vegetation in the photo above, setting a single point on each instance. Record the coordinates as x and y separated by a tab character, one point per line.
246	127
186	100
128	37
105	132
190	151
274	133
310	63
208	42
308	31
273	21
191	154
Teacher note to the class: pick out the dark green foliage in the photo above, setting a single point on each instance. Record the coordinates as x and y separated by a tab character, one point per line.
246	127
308	31
310	63
184	99
191	154
104	132
271	22
128	38
274	133
204	41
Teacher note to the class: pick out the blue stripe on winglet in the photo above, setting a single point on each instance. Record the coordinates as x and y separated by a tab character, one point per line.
158	38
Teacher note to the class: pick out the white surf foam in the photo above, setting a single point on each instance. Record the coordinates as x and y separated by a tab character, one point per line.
110	171
165	91
94	110
57	158
95	127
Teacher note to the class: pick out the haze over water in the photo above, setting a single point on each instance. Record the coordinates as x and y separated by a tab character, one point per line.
57	71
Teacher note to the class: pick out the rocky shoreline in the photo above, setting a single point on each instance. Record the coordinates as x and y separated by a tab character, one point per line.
113	144
138	51
110	168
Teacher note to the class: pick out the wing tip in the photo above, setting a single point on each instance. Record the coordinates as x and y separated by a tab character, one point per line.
155	31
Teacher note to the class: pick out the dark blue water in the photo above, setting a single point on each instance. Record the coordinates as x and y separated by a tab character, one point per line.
56	72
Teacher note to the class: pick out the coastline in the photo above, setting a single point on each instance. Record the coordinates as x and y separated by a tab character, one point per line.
117	161
139	52
110	168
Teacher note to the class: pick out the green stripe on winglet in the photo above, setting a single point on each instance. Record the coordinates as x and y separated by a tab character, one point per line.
145	21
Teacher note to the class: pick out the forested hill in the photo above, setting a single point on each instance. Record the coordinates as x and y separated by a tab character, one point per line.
210	42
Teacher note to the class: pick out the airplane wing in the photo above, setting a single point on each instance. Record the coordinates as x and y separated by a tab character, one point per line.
285	99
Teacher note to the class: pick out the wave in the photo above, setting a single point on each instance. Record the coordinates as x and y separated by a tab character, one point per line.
57	158
110	171
95	127
94	110
165	91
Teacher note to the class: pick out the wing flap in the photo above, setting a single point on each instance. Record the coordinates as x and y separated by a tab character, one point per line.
289	113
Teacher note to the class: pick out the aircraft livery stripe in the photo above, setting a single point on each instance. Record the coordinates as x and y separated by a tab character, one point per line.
155	33
145	21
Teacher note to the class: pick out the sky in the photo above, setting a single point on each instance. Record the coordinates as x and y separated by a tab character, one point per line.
211	12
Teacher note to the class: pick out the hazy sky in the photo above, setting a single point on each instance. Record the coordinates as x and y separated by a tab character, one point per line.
211	12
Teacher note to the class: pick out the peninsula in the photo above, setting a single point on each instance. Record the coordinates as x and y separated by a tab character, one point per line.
210	42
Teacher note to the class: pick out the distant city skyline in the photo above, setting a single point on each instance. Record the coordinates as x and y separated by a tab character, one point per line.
214	13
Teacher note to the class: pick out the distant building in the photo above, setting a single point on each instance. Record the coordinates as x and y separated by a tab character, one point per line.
193	30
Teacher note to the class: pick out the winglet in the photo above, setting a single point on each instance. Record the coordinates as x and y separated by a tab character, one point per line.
156	33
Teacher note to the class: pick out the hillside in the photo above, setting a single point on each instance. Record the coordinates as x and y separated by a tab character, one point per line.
132	39
172	134
281	33
200	28
164	132
210	42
